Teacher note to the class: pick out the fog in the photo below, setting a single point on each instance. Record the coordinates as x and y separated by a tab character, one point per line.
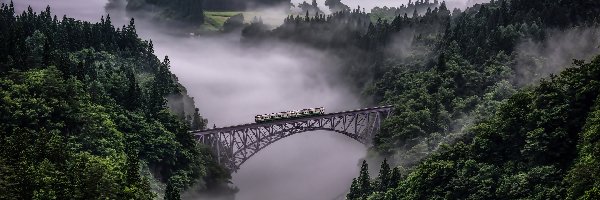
90	11
369	4
232	83
537	60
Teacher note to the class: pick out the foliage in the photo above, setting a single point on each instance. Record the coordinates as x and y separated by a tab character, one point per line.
456	69
412	8
84	110
242	5
189	11
234	23
449	75
363	188
527	150
541	144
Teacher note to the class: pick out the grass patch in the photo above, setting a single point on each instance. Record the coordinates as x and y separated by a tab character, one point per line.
215	20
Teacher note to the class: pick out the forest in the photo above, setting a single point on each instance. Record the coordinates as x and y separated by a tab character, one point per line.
85	114
241	5
475	117
478	115
189	12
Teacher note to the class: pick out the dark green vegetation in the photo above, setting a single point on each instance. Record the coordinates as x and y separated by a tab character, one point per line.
84	114
453	78
242	5
363	186
411	9
201	16
543	143
187	11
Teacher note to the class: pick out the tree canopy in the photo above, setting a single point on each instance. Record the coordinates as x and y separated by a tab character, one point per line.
85	114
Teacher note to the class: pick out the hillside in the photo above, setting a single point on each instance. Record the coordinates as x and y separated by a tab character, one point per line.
85	114
542	144
449	73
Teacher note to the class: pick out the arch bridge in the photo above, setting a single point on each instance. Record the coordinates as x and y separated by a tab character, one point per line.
234	145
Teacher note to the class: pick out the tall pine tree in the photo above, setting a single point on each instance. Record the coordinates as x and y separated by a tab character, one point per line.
394	178
364	180
354	190
384	176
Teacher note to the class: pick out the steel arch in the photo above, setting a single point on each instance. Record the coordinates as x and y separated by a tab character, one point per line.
234	145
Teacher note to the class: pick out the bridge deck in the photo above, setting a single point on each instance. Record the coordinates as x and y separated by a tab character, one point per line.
300	119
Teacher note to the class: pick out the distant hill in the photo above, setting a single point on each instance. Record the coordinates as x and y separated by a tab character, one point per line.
241	5
189	11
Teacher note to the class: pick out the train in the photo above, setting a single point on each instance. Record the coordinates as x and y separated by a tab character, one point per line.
289	114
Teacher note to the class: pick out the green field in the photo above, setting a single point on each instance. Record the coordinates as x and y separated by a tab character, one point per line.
214	20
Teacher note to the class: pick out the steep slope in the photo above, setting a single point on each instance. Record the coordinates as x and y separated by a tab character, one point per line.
84	114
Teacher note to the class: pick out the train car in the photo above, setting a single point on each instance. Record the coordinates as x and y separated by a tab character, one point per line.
289	114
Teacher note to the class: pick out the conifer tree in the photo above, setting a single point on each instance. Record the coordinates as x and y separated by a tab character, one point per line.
415	14
307	17
134	92
354	190
197	121
384	176
133	169
172	192
364	180
394	178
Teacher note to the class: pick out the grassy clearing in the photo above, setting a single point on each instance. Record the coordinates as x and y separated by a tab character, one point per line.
215	20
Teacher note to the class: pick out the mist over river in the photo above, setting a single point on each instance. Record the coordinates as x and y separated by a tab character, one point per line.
231	83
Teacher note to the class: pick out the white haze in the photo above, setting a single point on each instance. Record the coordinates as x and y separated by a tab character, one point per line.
370	4
537	60
231	84
91	11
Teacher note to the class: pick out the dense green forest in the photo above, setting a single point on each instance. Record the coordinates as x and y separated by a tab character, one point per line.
412	8
186	11
467	122
542	143
242	5
192	10
85	115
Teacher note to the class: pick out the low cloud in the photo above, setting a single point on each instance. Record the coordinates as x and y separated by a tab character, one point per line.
232	82
537	60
